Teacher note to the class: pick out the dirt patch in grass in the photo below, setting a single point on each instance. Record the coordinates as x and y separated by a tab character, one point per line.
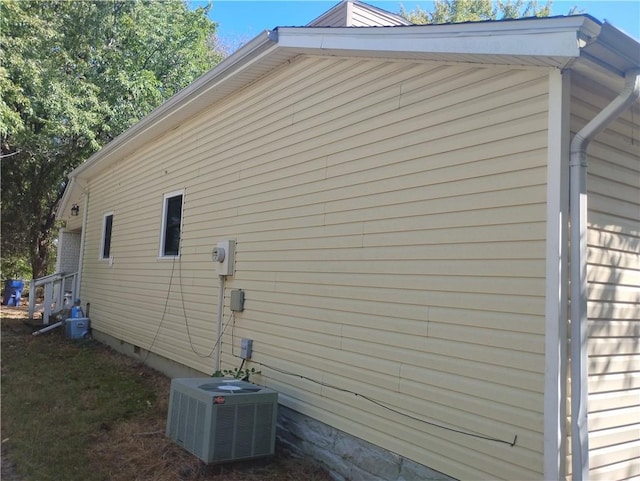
77	410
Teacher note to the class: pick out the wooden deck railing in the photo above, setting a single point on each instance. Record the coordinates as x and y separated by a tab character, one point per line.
60	290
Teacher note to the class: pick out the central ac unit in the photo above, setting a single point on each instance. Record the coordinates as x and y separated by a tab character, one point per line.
221	420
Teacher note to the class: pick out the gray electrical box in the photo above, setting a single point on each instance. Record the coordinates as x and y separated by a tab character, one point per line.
223	255
237	300
246	348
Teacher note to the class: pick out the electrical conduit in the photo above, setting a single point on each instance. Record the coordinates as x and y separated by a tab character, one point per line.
218	346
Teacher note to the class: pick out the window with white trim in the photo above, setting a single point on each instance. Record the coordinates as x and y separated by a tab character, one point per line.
171	224
107	229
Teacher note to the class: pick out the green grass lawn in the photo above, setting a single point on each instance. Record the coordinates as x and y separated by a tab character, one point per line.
58	396
76	410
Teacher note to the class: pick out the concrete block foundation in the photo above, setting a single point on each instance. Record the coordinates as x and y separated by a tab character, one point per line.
346	457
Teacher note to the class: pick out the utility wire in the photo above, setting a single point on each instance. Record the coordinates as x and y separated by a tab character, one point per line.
164	312
391	409
186	321
184	312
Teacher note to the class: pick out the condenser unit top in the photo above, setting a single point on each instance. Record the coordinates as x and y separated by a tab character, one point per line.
204	388
230	386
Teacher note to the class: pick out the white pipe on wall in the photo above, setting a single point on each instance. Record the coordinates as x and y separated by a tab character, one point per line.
557	288
578	259
218	345
83	236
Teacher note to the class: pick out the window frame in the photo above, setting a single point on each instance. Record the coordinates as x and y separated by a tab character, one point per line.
103	237
163	229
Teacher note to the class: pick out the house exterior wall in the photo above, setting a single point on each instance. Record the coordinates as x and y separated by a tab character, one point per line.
74	223
614	285
390	222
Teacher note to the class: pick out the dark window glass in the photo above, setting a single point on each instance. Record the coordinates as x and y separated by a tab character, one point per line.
106	242
173	220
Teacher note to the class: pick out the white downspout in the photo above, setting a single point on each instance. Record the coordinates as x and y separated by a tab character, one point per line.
578	310
83	235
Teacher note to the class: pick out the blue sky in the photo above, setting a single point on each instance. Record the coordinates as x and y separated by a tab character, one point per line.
241	20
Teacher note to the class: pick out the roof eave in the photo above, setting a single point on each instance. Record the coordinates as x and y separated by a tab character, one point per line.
556	38
560	42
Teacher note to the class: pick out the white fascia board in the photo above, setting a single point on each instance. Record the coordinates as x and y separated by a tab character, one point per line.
466	39
72	193
69	192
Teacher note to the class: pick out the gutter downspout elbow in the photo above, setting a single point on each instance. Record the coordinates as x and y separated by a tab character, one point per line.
625	98
578	271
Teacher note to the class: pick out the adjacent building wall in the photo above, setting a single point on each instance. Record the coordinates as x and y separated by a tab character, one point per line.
68	256
356	14
68	251
614	286
390	222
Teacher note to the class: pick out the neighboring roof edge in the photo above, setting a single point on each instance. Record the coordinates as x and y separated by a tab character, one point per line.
321	19
566	38
394	18
345	10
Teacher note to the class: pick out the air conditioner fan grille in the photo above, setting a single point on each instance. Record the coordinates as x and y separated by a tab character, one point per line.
228	389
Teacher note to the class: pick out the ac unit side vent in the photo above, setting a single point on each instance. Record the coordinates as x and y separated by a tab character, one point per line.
245	422
264	419
222	420
187	422
223	437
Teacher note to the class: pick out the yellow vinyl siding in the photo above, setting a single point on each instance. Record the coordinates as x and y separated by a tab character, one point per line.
74	223
390	222
614	287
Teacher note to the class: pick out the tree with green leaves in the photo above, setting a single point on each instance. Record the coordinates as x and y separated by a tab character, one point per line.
457	11
73	76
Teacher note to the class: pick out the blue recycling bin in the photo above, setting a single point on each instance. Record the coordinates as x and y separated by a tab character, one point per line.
12	292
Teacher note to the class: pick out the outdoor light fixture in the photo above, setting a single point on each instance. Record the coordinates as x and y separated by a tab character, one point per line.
75	209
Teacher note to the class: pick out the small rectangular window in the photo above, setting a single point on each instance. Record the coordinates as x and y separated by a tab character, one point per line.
171	225
107	228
